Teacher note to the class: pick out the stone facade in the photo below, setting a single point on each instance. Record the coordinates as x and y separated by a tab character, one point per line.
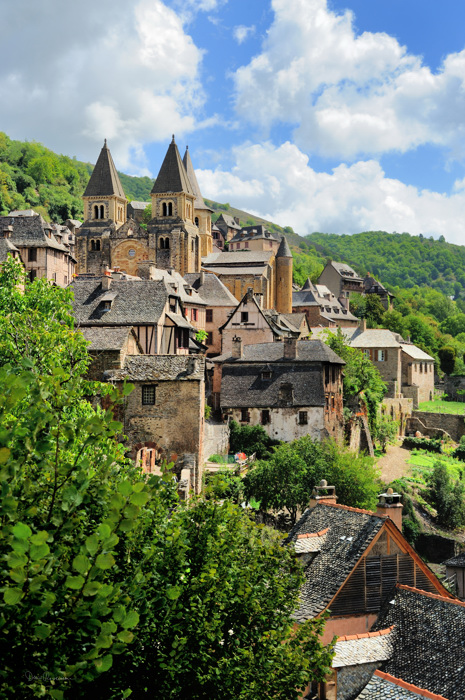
431	424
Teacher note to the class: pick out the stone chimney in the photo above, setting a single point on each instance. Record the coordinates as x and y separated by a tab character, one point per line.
290	348
323	494
362	324
236	347
202	277
106	280
389	504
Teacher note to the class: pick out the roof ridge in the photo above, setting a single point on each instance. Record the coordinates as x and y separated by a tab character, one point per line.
314	534
352	509
409	686
455	601
366	635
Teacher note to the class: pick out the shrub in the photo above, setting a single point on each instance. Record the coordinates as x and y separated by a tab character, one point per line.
447	497
428	444
250	439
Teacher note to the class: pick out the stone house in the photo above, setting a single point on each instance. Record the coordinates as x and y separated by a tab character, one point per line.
342	281
46	250
321	307
152	308
373	286
267	273
407	370
163	417
292	388
352	560
109	347
258	325
255	238
7	248
135	210
227	227
220	304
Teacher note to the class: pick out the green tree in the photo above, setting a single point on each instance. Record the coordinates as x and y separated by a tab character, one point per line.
447	497
374	310
251	439
447	359
386	431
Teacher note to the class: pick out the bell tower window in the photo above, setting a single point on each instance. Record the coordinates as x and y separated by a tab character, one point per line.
102	211
196	220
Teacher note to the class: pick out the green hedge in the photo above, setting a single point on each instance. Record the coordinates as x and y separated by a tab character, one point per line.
428	444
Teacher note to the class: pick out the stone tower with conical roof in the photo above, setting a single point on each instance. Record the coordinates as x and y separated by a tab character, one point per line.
173	233
104	198
284	278
202	213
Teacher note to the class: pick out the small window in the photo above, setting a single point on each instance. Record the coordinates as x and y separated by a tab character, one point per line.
170	209
32	275
209	338
245	416
421	367
194	314
266	375
244	316
303	418
148	395
162	243
265	417
209	316
32	255
381	356
196	220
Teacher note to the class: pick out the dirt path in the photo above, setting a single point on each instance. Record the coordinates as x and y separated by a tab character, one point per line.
393	464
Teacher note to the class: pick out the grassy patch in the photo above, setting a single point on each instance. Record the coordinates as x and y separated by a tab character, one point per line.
422	463
438	406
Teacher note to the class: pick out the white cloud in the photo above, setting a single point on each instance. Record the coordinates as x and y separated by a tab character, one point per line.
278	184
241	32
346	94
113	68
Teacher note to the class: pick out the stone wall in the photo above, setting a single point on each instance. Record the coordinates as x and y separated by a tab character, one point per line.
452	385
430	424
399	409
216	439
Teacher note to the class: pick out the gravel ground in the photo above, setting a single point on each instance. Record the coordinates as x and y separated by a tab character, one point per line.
393	464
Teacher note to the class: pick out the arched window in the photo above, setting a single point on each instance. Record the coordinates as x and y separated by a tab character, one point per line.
92	245
170	208
147	459
162	242
97	245
96	216
164	209
167	242
196	220
102	211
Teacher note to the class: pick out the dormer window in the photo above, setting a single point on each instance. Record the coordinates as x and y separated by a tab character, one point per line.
266	375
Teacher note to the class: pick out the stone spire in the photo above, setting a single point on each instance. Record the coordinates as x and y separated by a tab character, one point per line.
104	181
172	176
199	203
284	251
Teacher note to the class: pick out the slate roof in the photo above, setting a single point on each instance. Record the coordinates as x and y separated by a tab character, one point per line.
384	687
30	231
212	291
350	532
6	246
307	351
106	338
228	221
311	542
345	271
254	233
144	368
284	251
373	286
350	651
104	181
429	647
319	295
415	353
178	285
374	338
187	162
238	257
242	386
295	319
136	301
458	561
172	176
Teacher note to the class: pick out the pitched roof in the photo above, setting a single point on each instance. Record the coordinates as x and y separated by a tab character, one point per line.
144	368
212	291
345	270
104	181
374	338
106	338
429	646
459	560
350	532
172	176
385	687
238	257
228	221
363	648
415	353
199	203
254	233
6	246
307	351
284	251
136	301
31	231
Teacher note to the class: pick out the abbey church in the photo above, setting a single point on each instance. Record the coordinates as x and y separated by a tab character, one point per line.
178	237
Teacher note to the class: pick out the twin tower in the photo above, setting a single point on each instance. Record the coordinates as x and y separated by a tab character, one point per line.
178	235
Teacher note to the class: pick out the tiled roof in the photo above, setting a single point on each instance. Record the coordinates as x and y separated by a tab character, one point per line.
104	181
228	220
429	647
102	338
459	560
350	532
345	271
240	258
382	686
307	351
172	176
374	338
6	246
199	203
415	353
319	295
212	291
145	368
136	301
284	251
363	648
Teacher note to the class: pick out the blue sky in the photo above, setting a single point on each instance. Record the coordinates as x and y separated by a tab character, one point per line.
319	114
